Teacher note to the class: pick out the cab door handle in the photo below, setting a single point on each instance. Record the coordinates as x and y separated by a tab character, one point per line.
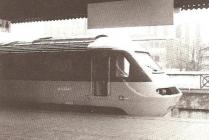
121	97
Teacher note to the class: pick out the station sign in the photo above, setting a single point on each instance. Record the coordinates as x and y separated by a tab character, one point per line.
5	25
130	13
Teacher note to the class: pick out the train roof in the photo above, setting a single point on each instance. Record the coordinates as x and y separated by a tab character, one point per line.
49	44
117	43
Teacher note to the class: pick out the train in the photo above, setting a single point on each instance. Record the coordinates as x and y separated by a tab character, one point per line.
100	71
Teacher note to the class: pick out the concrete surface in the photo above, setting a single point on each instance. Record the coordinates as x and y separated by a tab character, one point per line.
35	124
193	104
194	101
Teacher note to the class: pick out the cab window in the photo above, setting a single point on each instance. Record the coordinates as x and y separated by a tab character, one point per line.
122	67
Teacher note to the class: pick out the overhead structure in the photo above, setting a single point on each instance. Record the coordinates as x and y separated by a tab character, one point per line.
39	10
130	13
191	4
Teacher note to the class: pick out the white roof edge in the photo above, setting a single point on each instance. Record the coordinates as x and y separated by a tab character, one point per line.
116	43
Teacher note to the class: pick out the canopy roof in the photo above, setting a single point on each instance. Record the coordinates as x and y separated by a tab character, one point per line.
191	4
38	10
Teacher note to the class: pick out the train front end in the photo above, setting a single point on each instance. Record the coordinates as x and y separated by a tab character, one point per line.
157	96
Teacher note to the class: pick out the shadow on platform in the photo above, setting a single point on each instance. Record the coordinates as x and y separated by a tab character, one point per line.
62	108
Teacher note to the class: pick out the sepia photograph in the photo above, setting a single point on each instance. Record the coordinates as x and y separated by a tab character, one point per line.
104	70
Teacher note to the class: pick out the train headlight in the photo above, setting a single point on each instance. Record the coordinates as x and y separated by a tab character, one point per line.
167	91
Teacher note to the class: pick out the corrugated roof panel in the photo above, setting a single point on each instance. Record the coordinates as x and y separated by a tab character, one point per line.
191	4
38	10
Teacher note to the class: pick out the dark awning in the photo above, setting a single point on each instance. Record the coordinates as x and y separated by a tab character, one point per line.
191	4
37	10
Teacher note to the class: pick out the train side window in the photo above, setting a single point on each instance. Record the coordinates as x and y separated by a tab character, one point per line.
53	66
122	67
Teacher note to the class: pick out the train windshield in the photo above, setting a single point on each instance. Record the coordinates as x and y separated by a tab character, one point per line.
146	61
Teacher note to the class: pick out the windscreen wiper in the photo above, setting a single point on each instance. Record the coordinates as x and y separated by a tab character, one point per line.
154	71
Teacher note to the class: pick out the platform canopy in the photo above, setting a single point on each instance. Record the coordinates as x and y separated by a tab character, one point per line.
39	10
191	4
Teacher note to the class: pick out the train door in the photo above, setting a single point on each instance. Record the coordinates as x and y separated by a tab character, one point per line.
109	71
101	75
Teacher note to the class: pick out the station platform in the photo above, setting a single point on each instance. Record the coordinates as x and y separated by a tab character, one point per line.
35	124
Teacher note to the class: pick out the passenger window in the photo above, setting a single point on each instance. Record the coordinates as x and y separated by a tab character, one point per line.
53	66
122	67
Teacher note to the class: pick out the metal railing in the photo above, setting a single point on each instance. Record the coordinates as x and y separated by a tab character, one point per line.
190	80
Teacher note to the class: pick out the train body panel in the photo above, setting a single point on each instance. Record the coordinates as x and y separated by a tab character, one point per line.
132	97
58	92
